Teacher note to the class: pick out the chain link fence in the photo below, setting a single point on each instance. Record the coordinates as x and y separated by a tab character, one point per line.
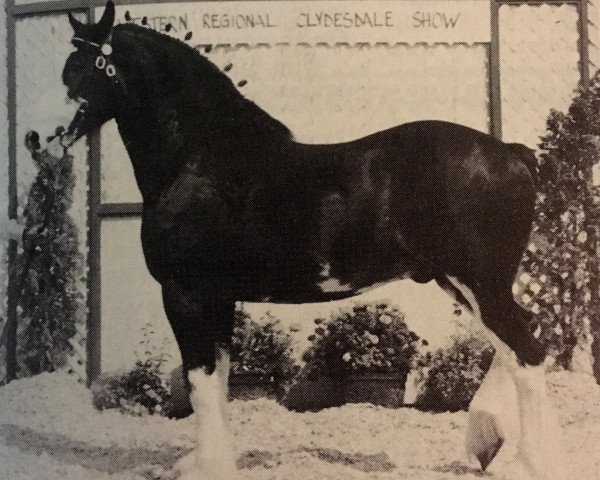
539	71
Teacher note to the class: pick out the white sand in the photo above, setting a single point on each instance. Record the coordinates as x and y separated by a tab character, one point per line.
49	430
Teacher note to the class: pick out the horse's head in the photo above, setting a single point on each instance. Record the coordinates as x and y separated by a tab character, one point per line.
90	75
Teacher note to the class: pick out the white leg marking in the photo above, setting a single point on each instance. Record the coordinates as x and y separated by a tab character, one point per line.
493	414
539	450
222	370
213	457
494	410
517	409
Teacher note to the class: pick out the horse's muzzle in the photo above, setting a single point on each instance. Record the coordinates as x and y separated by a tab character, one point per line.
72	133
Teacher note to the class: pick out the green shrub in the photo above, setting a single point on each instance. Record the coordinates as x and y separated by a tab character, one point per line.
562	257
367	338
50	303
262	349
142	390
453	374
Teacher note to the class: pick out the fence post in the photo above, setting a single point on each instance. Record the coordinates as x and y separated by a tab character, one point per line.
94	297
494	71
13	274
594	288
584	41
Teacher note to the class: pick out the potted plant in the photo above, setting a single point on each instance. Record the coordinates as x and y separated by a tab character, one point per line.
361	354
261	360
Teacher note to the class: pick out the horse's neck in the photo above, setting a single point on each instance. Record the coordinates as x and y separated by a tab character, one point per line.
154	146
189	109
161	138
160	126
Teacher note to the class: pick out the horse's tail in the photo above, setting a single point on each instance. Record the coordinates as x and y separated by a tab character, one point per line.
527	156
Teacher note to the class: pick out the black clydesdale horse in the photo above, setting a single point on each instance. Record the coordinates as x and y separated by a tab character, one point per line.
235	209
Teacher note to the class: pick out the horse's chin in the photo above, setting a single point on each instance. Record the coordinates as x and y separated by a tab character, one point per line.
85	121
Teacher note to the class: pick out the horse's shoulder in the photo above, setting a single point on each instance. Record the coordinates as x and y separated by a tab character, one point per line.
191	194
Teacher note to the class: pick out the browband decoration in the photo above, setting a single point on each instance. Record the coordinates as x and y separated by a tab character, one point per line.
101	61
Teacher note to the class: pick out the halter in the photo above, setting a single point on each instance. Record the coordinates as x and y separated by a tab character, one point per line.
101	62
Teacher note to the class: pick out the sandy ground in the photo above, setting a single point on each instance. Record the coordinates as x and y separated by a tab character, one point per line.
49	430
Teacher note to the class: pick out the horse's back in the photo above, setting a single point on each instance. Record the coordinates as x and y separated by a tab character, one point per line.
425	199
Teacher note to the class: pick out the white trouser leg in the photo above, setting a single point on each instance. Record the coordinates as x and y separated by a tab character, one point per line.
512	406
539	450
493	414
213	457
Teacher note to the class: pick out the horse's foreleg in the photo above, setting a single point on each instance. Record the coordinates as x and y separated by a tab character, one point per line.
213	456
203	333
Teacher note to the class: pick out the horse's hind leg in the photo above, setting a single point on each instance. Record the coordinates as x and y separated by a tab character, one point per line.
493	411
512	405
203	332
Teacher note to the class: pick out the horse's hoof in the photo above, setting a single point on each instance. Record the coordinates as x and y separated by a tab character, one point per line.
483	439
524	469
215	468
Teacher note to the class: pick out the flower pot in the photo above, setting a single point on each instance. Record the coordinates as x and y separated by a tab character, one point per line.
315	394
386	390
308	394
250	386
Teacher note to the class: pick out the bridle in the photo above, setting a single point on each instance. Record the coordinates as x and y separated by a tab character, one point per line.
102	60
103	63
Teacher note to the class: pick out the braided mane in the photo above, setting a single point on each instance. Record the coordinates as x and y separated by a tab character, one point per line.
189	65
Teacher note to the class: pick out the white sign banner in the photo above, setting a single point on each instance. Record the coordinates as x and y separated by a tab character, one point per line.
330	21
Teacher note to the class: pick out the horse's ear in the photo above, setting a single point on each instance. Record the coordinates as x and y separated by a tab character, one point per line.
105	24
75	24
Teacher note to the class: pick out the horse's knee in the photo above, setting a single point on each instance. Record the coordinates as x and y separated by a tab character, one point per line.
202	328
510	323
